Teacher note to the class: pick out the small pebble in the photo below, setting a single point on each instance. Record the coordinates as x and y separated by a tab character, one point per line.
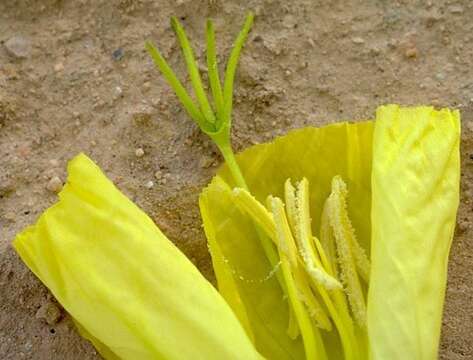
118	54
9	216
456	9
28	346
358	40
118	92
158	175
23	150
258	38
17	47
206	162
155	101
54	185
469	124
149	184
146	86
99	103
411	52
59	67
289	21
50	312
462	226
142	114
54	163
139	152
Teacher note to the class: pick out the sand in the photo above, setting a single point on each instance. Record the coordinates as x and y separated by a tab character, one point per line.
74	77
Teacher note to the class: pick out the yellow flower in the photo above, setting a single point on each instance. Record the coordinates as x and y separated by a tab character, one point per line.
328	243
136	296
402	175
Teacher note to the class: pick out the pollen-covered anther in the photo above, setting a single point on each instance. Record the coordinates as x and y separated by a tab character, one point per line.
344	237
248	204
307	247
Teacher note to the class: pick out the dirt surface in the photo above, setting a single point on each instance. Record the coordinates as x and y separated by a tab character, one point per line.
74	77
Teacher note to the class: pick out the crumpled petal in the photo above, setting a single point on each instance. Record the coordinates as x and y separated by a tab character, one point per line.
129	289
415	185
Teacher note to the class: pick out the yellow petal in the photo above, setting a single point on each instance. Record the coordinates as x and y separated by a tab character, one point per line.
259	295
416	172
132	292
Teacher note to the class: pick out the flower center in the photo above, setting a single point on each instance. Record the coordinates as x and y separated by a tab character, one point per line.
314	269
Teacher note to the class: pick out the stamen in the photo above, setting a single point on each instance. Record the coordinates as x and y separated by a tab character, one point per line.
290	199
361	259
285	240
305	240
323	256
327	240
336	207
248	204
306	294
289	247
310	336
293	330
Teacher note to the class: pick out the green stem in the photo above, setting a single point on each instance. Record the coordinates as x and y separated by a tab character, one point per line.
230	160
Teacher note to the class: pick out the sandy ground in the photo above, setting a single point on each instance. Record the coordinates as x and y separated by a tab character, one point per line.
74	77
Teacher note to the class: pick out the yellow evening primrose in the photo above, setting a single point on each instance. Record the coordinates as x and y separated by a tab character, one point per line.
382	198
327	243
